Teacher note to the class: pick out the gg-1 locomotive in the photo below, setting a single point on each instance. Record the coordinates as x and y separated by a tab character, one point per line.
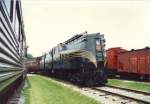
79	59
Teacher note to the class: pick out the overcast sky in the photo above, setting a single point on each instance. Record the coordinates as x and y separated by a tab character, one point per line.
49	22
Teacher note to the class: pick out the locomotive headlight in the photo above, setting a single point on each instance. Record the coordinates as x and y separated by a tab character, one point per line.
98	45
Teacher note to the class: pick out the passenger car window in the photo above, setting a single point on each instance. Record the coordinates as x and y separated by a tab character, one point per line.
17	25
8	5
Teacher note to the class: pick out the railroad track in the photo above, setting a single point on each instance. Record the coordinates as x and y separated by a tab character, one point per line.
103	97
139	96
136	91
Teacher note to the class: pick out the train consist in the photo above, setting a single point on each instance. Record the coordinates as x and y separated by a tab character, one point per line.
134	63
33	64
79	59
12	48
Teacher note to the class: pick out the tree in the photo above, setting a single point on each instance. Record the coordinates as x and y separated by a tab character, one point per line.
29	56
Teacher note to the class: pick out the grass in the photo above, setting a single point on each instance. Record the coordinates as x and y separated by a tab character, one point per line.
130	84
40	90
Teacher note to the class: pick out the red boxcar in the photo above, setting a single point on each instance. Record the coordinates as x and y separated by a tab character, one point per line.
111	58
134	62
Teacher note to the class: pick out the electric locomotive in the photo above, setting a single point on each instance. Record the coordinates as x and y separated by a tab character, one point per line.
79	59
12	48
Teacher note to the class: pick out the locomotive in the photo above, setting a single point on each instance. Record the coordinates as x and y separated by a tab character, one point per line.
80	59
12	48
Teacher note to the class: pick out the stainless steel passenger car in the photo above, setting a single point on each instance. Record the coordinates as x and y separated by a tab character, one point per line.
12	47
80	58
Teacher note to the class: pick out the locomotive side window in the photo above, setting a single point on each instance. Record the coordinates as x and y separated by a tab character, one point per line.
64	47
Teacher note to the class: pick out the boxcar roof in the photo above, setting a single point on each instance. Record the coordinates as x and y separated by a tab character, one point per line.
134	50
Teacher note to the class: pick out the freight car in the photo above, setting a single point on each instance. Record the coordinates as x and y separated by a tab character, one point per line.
134	63
80	59
112	60
12	48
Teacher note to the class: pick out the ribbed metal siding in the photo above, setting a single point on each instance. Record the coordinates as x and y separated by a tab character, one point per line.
11	53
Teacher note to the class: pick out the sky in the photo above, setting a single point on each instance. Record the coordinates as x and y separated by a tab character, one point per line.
124	24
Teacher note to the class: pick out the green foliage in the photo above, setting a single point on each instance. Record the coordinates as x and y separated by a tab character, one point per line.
29	56
40	90
130	84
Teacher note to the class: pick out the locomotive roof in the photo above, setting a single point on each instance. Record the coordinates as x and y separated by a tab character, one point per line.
79	35
73	38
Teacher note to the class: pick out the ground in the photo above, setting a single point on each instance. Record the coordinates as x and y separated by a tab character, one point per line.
41	90
130	84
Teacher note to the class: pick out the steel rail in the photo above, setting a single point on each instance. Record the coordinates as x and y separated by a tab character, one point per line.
131	90
122	95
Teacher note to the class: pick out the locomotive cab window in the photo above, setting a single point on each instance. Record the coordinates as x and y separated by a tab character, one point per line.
97	42
98	45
